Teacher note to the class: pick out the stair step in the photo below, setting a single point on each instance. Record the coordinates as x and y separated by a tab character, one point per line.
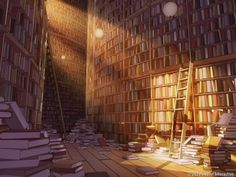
179	131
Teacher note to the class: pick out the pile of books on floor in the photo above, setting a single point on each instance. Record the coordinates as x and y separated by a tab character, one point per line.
146	170
68	168
130	157
55	142
123	147
164	151
152	144
192	148
213	153
226	129
82	133
24	153
135	146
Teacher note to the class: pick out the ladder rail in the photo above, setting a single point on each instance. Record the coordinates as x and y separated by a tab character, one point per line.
186	99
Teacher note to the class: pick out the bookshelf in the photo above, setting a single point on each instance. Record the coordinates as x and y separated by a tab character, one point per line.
154	47
67	41
22	34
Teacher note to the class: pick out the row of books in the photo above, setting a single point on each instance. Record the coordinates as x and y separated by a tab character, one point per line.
137	95
164	92
215	100
213	10
137	69
138	106
216	85
118	107
133	50
215	71
213	51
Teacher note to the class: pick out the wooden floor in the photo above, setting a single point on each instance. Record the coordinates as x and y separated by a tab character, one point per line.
110	160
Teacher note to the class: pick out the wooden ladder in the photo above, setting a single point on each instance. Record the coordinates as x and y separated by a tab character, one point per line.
181	111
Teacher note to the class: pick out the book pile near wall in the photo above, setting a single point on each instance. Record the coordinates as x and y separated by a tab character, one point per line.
24	153
65	168
55	142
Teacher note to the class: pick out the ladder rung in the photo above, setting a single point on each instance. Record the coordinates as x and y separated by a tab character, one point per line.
179	130
179	109
181	98
183	88
185	69
182	79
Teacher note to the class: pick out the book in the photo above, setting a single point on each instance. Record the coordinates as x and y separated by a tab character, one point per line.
130	157
8	164
17	154
213	142
68	170
78	174
17	120
22	144
97	174
5	115
22	172
67	164
147	170
20	135
43	173
4	107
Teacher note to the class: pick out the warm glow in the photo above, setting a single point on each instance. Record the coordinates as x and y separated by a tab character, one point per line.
170	9
63	57
99	33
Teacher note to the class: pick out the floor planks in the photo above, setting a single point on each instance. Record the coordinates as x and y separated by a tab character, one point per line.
111	161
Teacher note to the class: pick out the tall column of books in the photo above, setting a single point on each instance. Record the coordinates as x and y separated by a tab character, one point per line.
22	37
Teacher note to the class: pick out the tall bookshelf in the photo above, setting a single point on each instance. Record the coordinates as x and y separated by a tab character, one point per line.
67	41
23	27
154	47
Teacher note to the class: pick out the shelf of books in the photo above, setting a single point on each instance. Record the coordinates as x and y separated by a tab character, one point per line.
18	69
154	47
67	41
215	90
169	37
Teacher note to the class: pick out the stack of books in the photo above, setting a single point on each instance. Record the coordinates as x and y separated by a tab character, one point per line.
24	153
123	147
135	146
83	133
162	151
65	168
192	149
147	170
55	142
130	157
213	153
57	148
226	129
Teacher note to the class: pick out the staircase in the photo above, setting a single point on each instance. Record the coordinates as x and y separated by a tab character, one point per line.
181	111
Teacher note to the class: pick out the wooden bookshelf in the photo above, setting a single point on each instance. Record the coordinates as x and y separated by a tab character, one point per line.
67	41
22	35
154	47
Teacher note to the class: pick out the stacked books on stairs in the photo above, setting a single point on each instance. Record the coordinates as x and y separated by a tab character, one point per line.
24	153
68	168
192	149
226	129
214	154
